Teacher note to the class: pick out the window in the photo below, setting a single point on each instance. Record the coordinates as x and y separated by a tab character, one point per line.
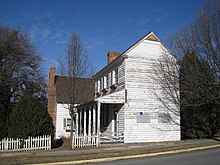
113	77
143	117
105	82
67	123
109	79
101	84
164	117
98	84
116	75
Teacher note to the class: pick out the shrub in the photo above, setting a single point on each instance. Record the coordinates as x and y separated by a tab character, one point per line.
29	117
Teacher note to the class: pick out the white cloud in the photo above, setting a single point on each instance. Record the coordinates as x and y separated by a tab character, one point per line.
49	16
40	34
46	34
94	43
143	21
159	10
154	17
161	18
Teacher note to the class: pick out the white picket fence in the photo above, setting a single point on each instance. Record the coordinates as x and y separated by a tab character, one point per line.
31	143
80	141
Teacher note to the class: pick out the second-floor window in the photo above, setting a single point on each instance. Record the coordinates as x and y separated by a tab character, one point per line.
115	76
109	79
101	84
105	82
98	85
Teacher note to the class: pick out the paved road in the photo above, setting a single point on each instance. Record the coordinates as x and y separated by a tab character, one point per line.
206	157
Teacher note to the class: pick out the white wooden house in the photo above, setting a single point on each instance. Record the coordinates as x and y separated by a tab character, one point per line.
124	108
59	98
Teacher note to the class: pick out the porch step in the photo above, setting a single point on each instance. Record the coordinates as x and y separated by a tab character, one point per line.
112	138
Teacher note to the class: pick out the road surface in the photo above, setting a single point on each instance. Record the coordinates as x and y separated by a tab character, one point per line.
205	157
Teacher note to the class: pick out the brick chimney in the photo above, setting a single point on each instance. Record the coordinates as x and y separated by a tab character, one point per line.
112	56
52	95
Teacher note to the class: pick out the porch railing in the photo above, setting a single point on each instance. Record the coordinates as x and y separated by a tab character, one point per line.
80	141
109	137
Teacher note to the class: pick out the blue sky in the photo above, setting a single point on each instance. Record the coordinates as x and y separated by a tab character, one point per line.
104	25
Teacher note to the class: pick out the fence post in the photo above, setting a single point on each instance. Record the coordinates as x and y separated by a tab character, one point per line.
6	148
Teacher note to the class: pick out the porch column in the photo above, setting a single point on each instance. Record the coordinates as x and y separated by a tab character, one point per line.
90	121
94	120
98	118
84	129
80	121
77	124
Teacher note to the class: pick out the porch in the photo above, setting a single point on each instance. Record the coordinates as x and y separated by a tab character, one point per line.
97	123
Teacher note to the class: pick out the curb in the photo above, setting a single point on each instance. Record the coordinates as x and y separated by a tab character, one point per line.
131	156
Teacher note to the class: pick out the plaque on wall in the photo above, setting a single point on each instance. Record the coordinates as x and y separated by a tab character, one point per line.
143	117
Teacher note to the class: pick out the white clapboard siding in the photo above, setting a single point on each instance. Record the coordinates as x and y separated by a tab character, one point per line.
31	143
62	113
115	97
139	82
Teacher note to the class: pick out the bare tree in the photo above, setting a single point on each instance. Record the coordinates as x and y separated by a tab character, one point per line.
202	37
166	77
200	41
74	66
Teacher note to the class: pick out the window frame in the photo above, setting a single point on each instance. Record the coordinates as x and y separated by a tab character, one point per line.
66	123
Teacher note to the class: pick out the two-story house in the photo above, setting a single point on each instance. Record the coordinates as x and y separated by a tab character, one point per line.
124	107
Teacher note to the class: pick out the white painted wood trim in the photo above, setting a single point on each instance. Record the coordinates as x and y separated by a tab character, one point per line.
80	121
98	118
94	121
77	125
90	119
84	129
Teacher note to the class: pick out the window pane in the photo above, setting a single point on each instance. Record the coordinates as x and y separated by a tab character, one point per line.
113	77
68	122
116	75
98	85
109	79
105	82
64	123
101	84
